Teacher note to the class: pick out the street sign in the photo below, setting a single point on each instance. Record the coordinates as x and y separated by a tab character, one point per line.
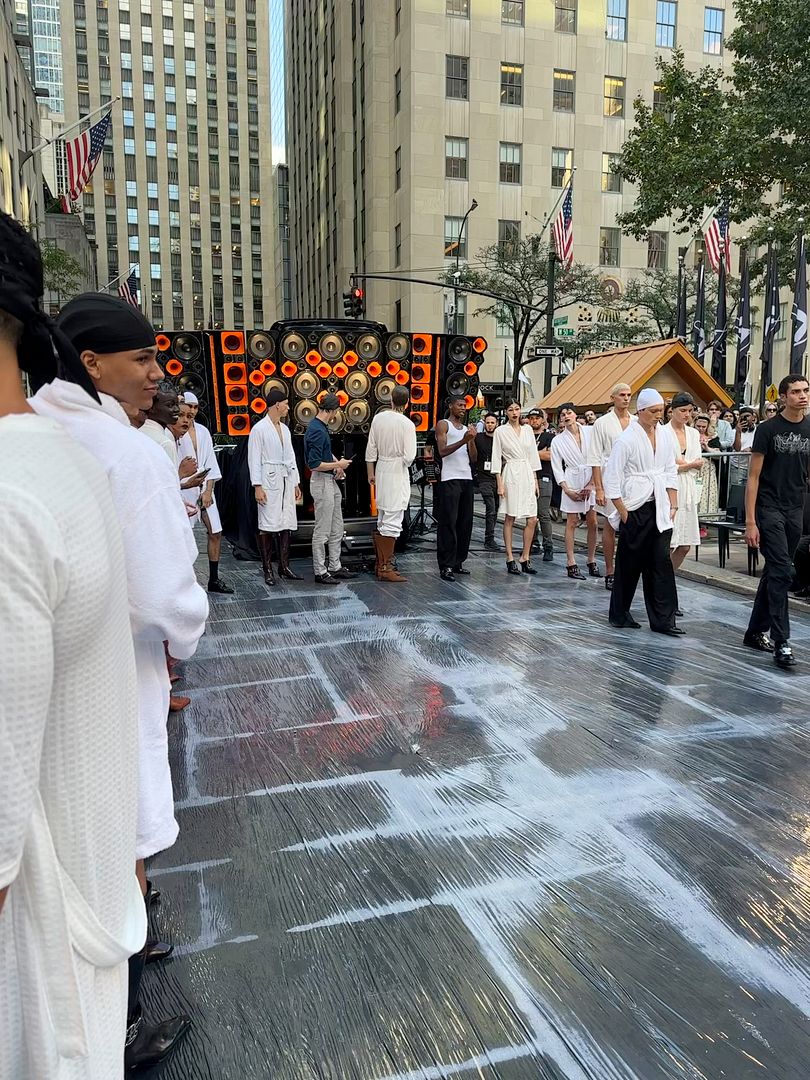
563	331
772	394
561	320
540	352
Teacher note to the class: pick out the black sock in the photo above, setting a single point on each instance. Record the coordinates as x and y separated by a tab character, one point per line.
213	571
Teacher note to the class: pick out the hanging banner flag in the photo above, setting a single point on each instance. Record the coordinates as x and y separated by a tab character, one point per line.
563	230
718	240
743	329
720	328
772	319
699	325
798	332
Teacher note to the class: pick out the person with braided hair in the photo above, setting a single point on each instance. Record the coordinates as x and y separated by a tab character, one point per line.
118	358
71	911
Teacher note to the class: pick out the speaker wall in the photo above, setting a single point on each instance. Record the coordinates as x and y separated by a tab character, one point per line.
260	346
183	357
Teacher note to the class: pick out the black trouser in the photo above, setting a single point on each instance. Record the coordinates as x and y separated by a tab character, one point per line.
779	535
454	519
488	486
642	551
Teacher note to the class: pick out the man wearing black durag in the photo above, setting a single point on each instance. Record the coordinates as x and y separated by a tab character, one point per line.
116	346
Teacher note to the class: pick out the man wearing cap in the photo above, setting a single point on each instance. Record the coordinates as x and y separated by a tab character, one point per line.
455	443
606	431
116	346
274	476
543	439
326	495
641	480
202	497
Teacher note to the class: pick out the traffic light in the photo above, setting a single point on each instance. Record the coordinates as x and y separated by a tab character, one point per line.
353	303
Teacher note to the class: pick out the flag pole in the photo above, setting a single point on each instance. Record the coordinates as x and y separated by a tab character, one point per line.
25	158
124	273
555	208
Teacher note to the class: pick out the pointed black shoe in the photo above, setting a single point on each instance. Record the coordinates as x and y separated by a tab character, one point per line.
593	570
219	586
513	567
157	950
461	570
629	623
149	1044
760	642
527	568
447	574
670	631
152	895
609	582
574	571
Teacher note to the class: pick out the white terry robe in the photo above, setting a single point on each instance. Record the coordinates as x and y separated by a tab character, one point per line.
392	445
206	459
686	527
635	475
164	439
569	462
165	601
604	434
271	461
68	789
515	457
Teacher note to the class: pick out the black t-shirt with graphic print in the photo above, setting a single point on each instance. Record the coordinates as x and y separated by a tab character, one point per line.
786	448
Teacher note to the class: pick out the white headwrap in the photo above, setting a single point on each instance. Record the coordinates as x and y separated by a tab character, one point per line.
190	399
647	398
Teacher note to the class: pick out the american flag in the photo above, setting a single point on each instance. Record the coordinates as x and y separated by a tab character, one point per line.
718	240
83	155
128	290
564	228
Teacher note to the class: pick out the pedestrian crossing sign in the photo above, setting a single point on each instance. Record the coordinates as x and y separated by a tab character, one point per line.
771	394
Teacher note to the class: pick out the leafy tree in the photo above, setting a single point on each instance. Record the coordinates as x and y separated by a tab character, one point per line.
519	273
62	273
741	138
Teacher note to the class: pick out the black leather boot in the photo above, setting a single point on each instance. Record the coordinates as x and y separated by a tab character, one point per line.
265	550
284	570
149	1044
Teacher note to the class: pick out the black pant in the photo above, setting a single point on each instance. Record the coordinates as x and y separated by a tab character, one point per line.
642	551
454	519
488	487
779	534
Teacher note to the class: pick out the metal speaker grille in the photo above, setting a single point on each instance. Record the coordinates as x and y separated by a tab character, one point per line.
191	384
398	346
383	389
338	422
305	411
357	384
293	346
458	384
332	346
459	350
261	346
274	384
368	347
357	412
306	384
186	347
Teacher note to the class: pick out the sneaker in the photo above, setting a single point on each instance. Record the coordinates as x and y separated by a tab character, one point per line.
343	574
548	554
783	655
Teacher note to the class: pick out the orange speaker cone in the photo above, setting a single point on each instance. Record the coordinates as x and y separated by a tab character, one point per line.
174	367
392	367
233	342
471	368
479	345
256	377
469	402
163	343
374	369
236	395
258	405
340	370
268	367
402	377
313	357
343	398
350	358
235	373
420	420
420	393
420	373
238	424
288	368
324	370
422	344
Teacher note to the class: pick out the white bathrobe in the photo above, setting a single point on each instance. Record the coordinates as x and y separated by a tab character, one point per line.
634	474
392	445
206	459
515	457
271	461
686	527
165	601
164	439
569	462
68	789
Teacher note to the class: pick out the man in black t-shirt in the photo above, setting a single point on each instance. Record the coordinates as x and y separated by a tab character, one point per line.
543	437
486	480
774	498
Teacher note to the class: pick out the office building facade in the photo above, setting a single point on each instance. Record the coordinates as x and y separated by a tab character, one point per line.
184	193
20	180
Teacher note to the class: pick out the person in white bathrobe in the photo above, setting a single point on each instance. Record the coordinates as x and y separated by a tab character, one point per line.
569	462
604	434
276	485
516	465
116	346
71	911
390	452
641	480
199	438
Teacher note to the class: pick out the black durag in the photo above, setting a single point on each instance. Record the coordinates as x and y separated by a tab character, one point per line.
104	324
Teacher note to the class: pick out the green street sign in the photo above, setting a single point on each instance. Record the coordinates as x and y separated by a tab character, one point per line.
561	320
563	331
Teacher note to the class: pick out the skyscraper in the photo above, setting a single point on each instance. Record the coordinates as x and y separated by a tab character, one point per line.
185	190
20	183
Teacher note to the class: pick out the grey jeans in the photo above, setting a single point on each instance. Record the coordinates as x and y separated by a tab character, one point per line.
543	515
328	522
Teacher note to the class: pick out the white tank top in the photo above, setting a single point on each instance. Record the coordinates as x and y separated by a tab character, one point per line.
456	466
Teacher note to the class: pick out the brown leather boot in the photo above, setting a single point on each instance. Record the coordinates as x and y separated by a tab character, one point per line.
284	569
265	550
378	565
387	571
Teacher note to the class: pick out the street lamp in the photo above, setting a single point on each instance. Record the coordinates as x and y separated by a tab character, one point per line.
680	307
457	274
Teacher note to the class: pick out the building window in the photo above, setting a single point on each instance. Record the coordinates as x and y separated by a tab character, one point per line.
460	316
561	162
616	20
397	90
564	91
508	238
512	12
565	16
509	163
398	168
611	181
459	8
713	31
666	19
614	96
397	245
660	103
511	84
455	158
656	250
454	248
457	77
609	240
